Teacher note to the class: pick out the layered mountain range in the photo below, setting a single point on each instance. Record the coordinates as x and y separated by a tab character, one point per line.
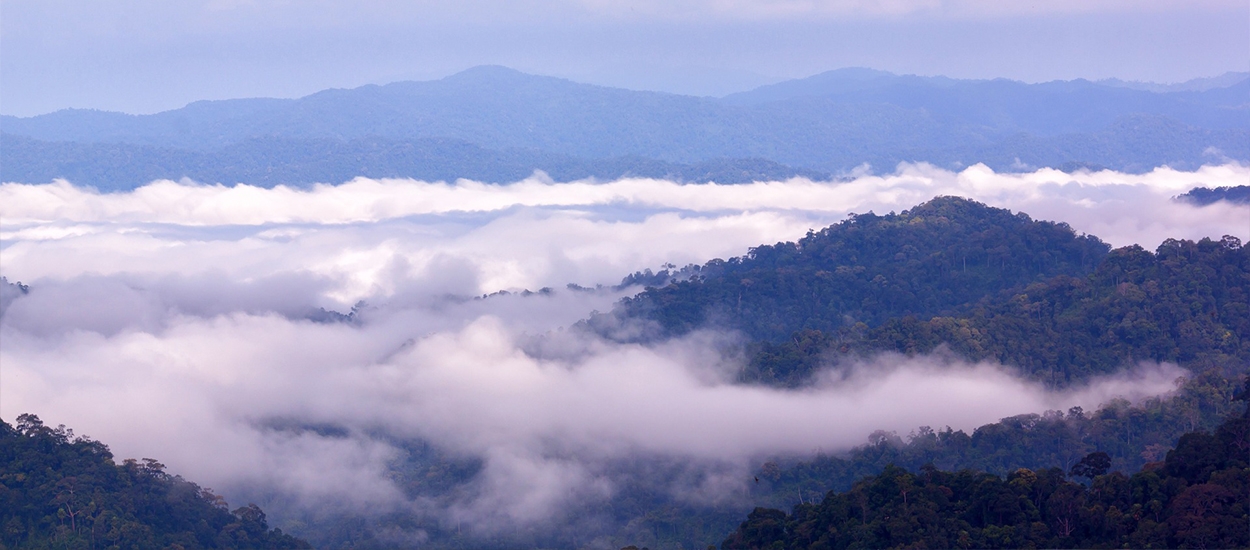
499	125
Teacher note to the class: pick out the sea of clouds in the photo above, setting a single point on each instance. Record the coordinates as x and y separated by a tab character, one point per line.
183	322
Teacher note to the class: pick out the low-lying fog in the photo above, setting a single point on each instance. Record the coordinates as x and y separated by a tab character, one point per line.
174	322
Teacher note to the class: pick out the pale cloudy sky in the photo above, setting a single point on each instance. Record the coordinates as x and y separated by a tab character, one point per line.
147	55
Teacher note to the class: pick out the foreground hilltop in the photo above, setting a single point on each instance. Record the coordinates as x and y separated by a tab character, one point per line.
1197	497
62	491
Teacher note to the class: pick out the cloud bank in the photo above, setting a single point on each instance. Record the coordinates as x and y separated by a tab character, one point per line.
189	323
203	394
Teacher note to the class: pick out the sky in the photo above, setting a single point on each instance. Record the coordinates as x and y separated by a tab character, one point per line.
143	56
172	321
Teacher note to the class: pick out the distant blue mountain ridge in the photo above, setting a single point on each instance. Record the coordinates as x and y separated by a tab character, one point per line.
496	124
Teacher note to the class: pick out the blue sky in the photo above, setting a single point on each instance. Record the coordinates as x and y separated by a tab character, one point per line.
144	56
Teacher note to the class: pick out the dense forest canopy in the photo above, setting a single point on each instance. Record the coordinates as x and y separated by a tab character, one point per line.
1187	302
979	281
938	257
1198	496
1237	194
62	491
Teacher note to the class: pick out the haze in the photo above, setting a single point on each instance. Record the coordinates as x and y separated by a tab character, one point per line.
147	56
176	321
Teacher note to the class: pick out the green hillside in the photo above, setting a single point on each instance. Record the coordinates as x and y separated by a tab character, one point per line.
941	256
1197	497
62	491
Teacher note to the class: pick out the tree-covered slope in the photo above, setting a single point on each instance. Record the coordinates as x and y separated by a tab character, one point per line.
1237	194
1197	497
1131	434
940	256
982	282
61	491
1187	303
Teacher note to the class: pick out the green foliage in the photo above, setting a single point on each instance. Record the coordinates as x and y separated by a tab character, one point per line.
61	491
1132	436
1237	194
1093	465
1198	498
1188	303
1185	303
938	257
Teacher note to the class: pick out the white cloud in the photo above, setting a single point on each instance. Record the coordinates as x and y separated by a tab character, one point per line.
170	322
200	392
577	216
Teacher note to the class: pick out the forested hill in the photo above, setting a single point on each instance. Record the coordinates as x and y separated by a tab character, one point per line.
61	491
1237	194
1198	497
1188	303
941	256
985	283
1057	306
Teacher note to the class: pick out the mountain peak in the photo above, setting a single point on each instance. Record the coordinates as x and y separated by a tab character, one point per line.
492	73
834	81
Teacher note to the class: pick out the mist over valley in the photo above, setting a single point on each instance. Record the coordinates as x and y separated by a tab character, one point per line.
451	364
575	274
